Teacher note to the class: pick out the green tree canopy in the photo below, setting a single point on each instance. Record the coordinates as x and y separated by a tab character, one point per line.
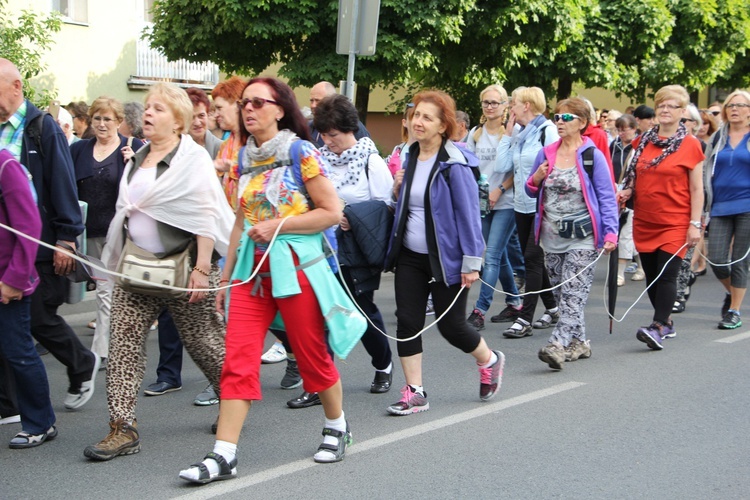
463	45
24	42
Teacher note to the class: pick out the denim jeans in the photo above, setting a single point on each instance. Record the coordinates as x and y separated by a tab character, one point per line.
32	387
497	228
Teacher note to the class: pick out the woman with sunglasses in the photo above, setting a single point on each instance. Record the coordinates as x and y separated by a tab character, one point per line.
283	176
665	179
577	217
527	131
436	247
498	222
727	179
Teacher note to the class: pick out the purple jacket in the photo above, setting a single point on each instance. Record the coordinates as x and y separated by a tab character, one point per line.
599	195
455	240
19	211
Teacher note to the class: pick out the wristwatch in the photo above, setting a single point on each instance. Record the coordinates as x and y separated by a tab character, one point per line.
502	189
696	223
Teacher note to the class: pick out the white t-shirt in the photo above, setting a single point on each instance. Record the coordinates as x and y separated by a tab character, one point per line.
142	228
377	187
486	150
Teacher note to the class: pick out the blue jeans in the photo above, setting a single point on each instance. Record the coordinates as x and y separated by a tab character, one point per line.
169	369
497	228
32	387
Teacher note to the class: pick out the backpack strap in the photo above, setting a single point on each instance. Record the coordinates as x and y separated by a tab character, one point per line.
588	162
543	135
35	128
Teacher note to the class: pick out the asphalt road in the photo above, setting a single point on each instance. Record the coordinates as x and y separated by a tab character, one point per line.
626	423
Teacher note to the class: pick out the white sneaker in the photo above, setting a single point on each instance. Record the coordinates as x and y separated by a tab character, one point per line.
13	419
620	280
75	400
276	354
638	275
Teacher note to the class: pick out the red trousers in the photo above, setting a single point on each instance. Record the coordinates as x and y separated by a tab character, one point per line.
249	319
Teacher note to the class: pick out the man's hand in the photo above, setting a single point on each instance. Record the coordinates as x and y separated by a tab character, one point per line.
63	264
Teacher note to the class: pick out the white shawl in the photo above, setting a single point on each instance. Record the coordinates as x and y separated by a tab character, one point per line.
187	196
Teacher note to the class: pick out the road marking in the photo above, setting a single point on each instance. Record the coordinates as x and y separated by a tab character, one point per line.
734	338
223	488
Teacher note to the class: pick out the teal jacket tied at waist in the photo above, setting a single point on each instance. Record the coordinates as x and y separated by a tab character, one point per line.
345	323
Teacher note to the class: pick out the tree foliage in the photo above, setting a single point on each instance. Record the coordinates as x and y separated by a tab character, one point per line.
24	42
463	45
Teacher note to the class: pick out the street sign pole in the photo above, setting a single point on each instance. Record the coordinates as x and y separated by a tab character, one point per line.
352	51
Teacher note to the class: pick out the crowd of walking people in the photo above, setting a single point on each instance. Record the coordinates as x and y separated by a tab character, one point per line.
227	217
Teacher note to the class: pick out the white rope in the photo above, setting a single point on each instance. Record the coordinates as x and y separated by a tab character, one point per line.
146	282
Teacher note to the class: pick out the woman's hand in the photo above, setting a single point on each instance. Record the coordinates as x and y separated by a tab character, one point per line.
540	174
397	180
494	196
469	278
608	247
8	293
693	236
262	232
197	281
127	153
222	165
344	224
221	298
624	195
510	124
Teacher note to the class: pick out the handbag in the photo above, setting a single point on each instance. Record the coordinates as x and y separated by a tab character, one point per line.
578	225
172	270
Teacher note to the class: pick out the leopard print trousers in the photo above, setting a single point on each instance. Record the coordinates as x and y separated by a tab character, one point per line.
202	333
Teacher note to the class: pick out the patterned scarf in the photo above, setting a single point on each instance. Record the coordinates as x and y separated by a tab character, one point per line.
277	148
354	160
668	145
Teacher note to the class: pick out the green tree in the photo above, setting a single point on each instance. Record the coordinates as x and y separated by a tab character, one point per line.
24	42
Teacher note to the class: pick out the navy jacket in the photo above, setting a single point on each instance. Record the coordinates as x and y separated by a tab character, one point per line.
54	181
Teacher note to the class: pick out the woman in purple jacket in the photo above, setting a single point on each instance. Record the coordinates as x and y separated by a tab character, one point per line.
436	247
577	215
18	280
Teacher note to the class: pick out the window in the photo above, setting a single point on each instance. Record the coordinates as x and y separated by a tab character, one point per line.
72	10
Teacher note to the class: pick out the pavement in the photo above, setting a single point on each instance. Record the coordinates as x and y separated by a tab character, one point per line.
626	423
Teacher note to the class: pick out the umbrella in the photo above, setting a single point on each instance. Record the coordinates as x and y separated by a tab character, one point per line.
612	274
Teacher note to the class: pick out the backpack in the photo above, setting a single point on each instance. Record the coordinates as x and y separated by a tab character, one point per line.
35	128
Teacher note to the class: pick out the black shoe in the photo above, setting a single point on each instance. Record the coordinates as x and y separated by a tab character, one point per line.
306	400
679	306
507	315
702	272
381	383
476	319
160	388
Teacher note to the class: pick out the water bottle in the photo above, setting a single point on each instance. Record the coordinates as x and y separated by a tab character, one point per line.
484	195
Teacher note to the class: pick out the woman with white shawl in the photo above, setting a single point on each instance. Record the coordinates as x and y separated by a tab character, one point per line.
168	199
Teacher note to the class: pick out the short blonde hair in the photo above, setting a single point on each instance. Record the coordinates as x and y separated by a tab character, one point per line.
676	92
738	92
103	104
534	96
177	100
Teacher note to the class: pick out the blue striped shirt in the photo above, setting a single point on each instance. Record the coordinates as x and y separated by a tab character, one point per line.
11	132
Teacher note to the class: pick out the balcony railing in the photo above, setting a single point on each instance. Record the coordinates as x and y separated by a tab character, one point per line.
152	66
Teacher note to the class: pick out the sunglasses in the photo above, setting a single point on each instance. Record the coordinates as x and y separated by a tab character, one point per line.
565	117
715	113
255	102
685	120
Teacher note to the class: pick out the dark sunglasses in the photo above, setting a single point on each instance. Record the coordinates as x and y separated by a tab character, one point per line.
715	113
685	120
565	117
255	102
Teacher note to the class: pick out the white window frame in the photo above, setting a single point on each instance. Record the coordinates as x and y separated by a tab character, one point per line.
73	15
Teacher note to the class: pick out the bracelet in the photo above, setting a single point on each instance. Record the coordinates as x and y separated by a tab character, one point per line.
696	223
204	273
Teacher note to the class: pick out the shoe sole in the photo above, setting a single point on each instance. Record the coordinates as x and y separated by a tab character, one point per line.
161	393
543	326
288	387
88	394
265	361
581	356
206	403
648	340
553	363
513	335
304	405
379	389
723	326
410	411
131	450
219	477
348	440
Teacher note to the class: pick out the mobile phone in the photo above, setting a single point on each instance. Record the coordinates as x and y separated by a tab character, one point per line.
54	109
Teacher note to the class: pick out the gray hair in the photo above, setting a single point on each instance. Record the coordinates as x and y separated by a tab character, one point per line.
694	114
134	118
463	117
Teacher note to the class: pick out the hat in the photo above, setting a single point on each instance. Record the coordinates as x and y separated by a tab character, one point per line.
644	112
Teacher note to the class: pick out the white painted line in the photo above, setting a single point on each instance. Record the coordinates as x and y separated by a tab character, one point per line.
734	338
223	488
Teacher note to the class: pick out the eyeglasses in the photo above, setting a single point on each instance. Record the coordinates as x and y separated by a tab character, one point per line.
255	102
670	107
105	119
565	117
685	120
492	104
714	113
737	105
